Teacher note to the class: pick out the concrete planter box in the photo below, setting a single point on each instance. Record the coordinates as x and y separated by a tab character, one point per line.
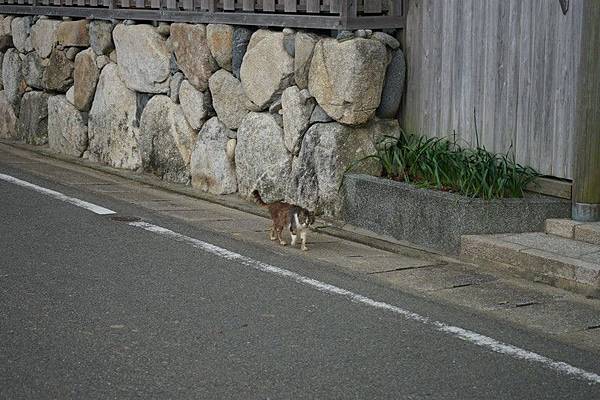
437	219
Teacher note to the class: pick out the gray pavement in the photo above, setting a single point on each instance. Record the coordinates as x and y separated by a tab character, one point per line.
91	307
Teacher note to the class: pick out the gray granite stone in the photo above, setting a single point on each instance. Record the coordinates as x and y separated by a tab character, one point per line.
289	43
386	39
393	86
33	70
241	38
344	35
553	244
589	232
101	37
32	125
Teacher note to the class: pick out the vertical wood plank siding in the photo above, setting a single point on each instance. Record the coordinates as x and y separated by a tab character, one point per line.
513	61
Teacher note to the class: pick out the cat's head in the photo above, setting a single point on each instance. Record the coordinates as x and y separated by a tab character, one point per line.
306	218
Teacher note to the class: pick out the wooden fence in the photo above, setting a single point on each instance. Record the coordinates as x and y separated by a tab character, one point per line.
515	62
315	14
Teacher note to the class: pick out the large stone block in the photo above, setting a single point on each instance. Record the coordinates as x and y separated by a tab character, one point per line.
6	25
85	79
113	140
143	58
241	38
6	41
67	127
101	37
589	233
267	70
21	34
71	52
101	61
193	54
304	48
257	37
8	122
229	99
393	86
70	95
44	36
166	140
220	42
289	41
13	79
58	75
32	125
262	161
212	169
33	70
326	153
73	33
195	104
387	39
347	78
298	106
176	81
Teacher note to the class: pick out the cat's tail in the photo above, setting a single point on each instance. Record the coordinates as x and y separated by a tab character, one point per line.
258	199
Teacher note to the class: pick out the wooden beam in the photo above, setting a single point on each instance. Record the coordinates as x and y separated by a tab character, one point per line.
375	23
586	189
551	187
223	12
149	14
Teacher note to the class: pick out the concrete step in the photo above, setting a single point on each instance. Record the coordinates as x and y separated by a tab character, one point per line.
589	233
585	232
562	262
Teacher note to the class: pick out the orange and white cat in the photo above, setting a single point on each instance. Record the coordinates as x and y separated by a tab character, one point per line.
283	215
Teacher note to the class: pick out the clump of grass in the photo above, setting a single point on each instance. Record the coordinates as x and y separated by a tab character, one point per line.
440	163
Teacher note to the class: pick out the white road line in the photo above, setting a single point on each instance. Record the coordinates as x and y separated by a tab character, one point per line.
57	195
460	333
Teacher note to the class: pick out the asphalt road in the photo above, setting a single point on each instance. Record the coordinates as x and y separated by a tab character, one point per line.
91	307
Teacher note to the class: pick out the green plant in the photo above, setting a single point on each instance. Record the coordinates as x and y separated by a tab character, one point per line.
443	164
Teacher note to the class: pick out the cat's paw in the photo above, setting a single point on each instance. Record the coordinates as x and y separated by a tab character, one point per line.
283	243
304	248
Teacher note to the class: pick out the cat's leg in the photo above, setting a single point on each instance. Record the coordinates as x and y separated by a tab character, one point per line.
294	236
272	233
303	238
280	237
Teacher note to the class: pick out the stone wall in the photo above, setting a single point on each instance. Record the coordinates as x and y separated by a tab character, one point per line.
225	109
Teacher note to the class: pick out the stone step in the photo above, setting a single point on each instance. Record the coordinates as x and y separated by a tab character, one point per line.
588	232
558	261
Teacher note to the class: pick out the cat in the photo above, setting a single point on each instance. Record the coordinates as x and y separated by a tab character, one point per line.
296	218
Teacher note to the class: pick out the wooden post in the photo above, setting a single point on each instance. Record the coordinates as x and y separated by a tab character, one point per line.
348	12
586	185
397	8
